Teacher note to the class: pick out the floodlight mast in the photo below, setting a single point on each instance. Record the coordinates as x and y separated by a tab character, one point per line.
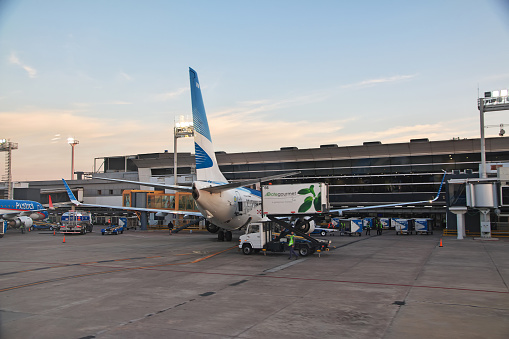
183	129
73	142
7	146
492	101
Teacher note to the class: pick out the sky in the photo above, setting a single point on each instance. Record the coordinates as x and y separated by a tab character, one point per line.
114	74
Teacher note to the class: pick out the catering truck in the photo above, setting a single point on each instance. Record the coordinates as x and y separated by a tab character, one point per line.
270	237
76	222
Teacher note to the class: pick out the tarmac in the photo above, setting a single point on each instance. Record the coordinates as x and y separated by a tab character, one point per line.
148	284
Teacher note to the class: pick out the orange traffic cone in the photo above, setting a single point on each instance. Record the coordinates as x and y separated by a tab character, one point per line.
53	232
64	239
440	243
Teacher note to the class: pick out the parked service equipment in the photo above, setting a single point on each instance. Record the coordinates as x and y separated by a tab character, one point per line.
303	199
76	222
423	226
386	223
403	226
264	236
368	222
113	229
352	226
3	227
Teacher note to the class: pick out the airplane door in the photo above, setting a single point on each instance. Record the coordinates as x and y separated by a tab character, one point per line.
239	208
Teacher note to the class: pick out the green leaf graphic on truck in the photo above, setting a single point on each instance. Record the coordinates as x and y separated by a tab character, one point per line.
310	200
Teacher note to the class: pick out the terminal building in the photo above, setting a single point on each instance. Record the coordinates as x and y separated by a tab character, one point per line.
365	175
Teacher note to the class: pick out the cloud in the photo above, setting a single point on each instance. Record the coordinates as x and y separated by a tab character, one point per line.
373	82
171	95
125	76
44	154
13	59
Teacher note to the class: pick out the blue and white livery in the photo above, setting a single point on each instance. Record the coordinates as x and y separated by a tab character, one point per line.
21	213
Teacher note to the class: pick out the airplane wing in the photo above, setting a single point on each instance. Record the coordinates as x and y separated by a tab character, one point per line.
135	209
225	187
341	210
151	184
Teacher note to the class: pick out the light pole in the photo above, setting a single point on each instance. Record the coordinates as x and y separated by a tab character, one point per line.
73	142
183	129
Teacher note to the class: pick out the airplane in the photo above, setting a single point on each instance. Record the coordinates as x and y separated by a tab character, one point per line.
21	213
225	206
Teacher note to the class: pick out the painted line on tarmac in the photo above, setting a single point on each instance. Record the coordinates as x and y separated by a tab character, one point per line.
104	272
282	267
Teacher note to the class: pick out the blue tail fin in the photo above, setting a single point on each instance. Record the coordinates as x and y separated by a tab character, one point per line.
70	194
206	163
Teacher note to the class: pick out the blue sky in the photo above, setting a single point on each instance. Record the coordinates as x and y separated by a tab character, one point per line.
114	74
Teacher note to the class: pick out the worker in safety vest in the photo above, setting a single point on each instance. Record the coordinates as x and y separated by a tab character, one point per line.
291	246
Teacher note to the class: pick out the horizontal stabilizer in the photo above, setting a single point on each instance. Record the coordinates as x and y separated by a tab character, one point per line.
225	187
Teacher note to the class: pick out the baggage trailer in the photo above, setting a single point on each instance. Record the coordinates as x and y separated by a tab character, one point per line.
386	223
423	226
352	226
402	226
3	227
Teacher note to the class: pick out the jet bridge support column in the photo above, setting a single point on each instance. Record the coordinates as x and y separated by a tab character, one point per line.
460	217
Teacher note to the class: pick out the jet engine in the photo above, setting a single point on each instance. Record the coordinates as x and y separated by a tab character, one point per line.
305	226
21	221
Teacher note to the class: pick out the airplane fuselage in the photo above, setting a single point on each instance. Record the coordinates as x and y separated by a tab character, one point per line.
230	209
21	212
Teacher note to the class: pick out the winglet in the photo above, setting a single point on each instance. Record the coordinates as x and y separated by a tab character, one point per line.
70	194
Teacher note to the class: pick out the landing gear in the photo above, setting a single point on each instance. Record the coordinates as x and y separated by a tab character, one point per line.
228	235
224	235
220	235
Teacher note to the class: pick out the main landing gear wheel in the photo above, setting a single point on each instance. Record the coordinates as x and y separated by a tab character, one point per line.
220	235
228	235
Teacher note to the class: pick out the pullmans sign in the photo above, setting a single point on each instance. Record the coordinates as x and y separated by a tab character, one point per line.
301	199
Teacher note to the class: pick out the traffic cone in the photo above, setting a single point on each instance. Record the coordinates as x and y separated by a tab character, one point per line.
64	239
440	243
53	232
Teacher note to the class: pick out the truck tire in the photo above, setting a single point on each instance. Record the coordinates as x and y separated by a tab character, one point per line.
323	233
102	233
304	251
247	249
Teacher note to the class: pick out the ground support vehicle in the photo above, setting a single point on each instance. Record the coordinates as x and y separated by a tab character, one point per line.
3	227
76	222
423	226
38	225
403	226
350	227
324	231
386	223
113	229
263	236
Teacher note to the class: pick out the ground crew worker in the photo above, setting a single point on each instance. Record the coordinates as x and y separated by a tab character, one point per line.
380	227
170	226
368	228
291	245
